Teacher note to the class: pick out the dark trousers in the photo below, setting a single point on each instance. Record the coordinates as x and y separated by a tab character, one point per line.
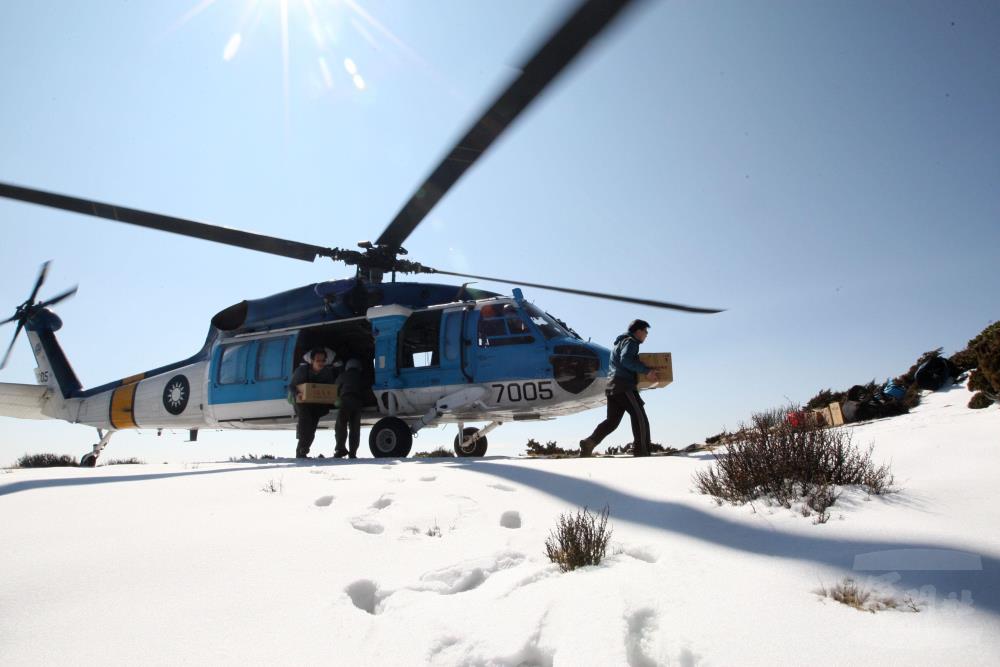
305	430
618	405
349	415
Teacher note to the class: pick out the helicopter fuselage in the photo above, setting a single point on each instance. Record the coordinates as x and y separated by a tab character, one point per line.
494	358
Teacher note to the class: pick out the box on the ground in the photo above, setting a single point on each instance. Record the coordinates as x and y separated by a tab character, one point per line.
663	365
823	417
315	392
838	416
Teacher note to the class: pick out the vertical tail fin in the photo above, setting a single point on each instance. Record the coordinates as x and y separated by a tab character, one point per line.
54	369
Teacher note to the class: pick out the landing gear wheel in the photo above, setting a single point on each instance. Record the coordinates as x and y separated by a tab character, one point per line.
88	460
390	437
477	448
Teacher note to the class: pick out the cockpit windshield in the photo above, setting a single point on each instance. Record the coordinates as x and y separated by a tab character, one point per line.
548	325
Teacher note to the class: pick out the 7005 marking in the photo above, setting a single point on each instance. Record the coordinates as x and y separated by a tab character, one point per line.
524	391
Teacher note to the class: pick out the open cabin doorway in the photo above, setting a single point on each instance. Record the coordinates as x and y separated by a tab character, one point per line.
351	339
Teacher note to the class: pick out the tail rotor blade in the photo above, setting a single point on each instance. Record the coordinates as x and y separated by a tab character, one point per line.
56	299
17	331
38	283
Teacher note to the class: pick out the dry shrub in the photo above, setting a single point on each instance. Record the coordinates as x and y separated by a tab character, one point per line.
770	458
579	539
849	592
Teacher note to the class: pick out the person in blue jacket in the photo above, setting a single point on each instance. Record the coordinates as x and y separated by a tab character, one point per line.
623	393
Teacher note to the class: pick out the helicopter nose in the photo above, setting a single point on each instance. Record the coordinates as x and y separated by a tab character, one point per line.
575	367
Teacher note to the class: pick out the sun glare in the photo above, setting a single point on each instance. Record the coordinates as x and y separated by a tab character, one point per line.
310	24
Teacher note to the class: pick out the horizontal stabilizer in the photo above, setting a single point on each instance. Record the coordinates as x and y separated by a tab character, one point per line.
23	401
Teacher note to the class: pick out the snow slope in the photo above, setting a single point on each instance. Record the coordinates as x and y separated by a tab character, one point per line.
442	562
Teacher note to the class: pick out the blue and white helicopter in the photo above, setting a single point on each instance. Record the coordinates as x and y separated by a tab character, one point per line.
434	354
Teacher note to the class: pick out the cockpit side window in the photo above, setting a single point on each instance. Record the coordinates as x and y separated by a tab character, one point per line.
547	324
502	324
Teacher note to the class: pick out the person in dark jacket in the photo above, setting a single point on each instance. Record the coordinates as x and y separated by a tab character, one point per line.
309	414
350	390
623	392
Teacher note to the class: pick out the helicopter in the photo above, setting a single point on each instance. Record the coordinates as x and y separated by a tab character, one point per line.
432	353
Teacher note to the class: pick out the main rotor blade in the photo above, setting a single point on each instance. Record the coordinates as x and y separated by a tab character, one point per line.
17	331
56	299
38	283
9	319
585	23
166	223
580	292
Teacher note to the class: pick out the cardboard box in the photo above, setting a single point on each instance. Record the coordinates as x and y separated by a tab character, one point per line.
662	363
824	416
314	392
838	416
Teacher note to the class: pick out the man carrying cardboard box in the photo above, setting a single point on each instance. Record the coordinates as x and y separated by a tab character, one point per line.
623	393
309	414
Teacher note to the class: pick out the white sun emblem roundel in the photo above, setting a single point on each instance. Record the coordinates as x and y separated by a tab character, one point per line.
176	394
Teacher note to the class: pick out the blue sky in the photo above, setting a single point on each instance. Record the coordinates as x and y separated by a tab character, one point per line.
829	172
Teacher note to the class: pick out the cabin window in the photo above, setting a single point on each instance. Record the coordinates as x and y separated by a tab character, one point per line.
233	364
420	339
502	325
271	359
453	336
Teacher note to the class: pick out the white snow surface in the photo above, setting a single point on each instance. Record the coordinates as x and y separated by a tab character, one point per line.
442	561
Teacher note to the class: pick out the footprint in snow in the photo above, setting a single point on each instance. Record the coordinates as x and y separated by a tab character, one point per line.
428	478
467	576
323	501
510	519
382	502
502	487
365	595
645	554
642	625
367	526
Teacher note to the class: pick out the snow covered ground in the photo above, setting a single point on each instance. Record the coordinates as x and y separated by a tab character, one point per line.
442	561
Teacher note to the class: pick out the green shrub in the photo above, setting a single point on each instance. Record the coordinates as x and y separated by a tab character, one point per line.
550	448
979	401
718	438
579	539
439	453
823	398
252	458
47	461
986	378
963	360
124	462
629	448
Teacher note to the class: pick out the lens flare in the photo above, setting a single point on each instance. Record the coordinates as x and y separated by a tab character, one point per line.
232	47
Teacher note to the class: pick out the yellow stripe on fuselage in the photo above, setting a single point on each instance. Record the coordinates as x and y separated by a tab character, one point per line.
123	406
